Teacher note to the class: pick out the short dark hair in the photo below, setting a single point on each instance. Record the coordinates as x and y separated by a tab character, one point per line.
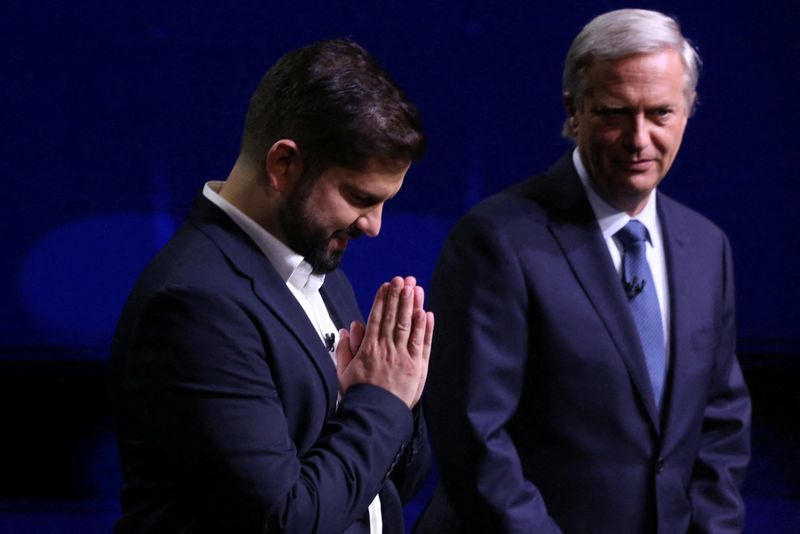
338	104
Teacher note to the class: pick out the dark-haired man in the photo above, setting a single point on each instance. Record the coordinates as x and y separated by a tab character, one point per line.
241	406
584	377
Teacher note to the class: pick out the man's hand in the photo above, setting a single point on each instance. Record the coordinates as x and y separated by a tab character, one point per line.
394	348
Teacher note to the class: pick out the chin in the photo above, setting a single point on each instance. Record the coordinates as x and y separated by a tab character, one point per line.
327	264
641	183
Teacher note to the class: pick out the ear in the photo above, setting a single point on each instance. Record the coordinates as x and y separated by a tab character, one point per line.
569	105
283	165
692	103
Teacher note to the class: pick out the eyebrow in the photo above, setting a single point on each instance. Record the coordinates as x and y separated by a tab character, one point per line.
600	108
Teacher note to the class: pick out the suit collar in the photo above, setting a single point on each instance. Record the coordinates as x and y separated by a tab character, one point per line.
246	259
291	266
575	228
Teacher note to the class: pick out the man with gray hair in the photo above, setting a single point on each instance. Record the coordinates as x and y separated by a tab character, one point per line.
584	376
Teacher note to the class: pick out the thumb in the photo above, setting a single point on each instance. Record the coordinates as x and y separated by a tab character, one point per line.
344	354
356	336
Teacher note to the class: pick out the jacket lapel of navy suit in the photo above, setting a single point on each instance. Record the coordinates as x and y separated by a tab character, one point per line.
574	225
250	262
685	279
339	299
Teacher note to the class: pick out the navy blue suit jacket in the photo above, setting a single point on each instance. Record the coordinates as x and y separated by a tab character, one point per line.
540	408
226	401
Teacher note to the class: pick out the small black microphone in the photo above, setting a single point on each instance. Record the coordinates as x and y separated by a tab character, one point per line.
634	287
330	339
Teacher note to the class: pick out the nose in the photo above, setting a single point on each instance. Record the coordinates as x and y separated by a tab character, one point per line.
370	221
637	134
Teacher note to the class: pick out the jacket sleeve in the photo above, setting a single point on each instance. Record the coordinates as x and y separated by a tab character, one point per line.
715	489
478	362
413	466
204	394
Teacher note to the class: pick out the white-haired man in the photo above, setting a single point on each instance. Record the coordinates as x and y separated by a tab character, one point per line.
585	376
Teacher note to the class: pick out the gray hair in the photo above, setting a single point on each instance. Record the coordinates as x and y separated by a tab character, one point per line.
622	33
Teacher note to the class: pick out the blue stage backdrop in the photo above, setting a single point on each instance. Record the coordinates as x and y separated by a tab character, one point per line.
115	114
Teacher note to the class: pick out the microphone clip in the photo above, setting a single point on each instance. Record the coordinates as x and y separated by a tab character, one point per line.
634	287
330	339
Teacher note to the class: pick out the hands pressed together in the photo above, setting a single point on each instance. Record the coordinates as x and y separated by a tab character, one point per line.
392	351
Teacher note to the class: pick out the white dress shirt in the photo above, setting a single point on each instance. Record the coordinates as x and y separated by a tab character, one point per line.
611	220
298	275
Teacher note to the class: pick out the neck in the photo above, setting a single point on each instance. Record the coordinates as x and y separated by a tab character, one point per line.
247	188
631	204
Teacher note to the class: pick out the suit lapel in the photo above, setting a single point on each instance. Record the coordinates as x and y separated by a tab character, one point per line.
339	299
574	226
276	296
249	261
684	281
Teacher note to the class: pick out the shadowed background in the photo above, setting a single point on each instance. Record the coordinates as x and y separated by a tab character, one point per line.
116	113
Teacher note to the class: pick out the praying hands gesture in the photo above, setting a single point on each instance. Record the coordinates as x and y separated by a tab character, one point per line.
392	351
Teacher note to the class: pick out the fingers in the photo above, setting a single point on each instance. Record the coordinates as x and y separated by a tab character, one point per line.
402	329
393	349
344	353
376	313
422	328
356	335
390	307
428	339
424	323
416	340
392	316
419	297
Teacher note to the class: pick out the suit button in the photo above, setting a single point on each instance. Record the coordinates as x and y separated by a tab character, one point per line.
659	465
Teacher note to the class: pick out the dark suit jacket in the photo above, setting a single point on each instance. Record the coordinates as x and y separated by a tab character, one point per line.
541	411
226	401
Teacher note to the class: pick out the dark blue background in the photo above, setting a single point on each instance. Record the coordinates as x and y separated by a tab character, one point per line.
116	113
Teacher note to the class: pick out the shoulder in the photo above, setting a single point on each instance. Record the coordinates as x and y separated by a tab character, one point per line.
190	258
192	273
529	204
687	225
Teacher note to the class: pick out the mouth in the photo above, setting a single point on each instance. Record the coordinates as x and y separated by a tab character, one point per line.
641	165
339	241
340	238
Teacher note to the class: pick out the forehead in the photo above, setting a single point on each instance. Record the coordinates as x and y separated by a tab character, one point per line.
660	74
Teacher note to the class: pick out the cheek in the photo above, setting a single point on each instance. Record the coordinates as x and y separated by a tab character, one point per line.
668	142
340	216
603	135
603	145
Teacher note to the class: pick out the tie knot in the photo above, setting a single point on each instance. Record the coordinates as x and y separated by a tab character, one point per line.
632	234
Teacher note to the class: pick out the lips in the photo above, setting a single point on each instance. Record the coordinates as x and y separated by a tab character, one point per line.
339	240
641	165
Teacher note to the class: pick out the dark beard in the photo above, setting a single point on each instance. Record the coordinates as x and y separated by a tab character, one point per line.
306	237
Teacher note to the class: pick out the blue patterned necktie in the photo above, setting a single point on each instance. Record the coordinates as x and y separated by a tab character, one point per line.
637	281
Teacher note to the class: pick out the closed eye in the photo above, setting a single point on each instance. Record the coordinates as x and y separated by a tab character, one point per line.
363	200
